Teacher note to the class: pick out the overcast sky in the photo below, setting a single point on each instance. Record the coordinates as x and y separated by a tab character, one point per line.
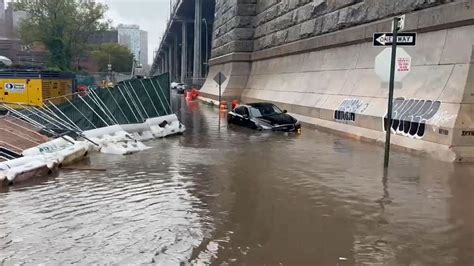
150	15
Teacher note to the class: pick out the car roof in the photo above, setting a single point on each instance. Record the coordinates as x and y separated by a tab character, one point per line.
260	104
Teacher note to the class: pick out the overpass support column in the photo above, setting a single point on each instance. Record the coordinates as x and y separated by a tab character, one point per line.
162	64
170	62
165	61
175	58
158	65
184	52
197	70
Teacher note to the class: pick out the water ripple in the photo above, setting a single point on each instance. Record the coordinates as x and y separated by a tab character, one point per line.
233	196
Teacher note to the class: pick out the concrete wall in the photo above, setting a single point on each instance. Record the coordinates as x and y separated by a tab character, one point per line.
280	22
328	79
233	28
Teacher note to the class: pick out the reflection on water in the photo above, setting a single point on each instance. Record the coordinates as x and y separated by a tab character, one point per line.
230	195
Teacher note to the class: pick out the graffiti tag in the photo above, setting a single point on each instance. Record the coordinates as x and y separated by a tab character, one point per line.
469	133
443	131
349	108
409	117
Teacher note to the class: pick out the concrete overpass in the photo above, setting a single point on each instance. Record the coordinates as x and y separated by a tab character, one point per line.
185	47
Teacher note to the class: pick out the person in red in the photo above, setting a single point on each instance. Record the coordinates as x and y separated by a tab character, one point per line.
82	90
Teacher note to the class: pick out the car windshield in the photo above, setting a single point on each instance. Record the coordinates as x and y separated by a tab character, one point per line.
264	110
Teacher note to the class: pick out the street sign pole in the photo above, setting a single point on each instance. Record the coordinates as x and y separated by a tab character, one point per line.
220	78
220	92
396	21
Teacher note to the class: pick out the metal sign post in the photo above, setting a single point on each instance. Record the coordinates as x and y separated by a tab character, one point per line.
219	79
396	28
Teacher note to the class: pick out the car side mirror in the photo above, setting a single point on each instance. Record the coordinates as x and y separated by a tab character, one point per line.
285	111
246	116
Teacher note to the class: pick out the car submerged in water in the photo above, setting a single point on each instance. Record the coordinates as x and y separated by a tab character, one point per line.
263	116
179	87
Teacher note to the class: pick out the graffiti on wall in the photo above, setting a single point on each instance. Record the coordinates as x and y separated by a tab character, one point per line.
348	109
409	116
468	133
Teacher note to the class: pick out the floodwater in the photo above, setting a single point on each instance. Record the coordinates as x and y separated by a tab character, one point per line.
231	196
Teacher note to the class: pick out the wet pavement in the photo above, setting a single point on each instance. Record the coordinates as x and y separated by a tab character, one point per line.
219	195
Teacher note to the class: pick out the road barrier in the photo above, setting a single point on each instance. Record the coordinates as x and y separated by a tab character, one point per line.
235	103
223	106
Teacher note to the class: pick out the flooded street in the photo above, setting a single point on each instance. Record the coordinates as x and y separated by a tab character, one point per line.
219	195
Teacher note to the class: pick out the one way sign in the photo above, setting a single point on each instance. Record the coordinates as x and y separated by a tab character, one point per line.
403	39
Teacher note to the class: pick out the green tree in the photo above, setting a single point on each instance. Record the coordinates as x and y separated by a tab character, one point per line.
63	26
119	56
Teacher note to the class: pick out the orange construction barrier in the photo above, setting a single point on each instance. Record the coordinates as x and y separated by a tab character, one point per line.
223	106
235	103
82	89
192	95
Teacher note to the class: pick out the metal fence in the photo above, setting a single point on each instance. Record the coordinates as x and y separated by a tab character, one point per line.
131	101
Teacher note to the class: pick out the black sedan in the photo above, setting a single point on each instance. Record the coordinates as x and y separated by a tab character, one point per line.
263	116
181	88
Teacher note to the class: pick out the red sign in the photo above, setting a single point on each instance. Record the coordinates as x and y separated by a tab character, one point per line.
403	64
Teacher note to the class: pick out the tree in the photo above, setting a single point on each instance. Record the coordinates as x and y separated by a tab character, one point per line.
119	56
63	26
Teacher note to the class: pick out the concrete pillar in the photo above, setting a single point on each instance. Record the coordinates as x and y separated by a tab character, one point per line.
184	52
170	61
160	64
165	60
197	70
175	58
207	43
163	64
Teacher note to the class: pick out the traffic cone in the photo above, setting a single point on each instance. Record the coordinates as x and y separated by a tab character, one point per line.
223	106
188	95
235	103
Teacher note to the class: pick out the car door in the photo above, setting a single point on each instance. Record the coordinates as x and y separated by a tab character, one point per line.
237	116
246	122
241	116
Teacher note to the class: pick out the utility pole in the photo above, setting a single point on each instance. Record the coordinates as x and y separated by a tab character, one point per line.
396	21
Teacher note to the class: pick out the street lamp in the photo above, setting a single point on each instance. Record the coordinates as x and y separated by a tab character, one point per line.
207	45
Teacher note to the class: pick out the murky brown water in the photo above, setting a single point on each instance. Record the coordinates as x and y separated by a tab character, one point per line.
219	195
